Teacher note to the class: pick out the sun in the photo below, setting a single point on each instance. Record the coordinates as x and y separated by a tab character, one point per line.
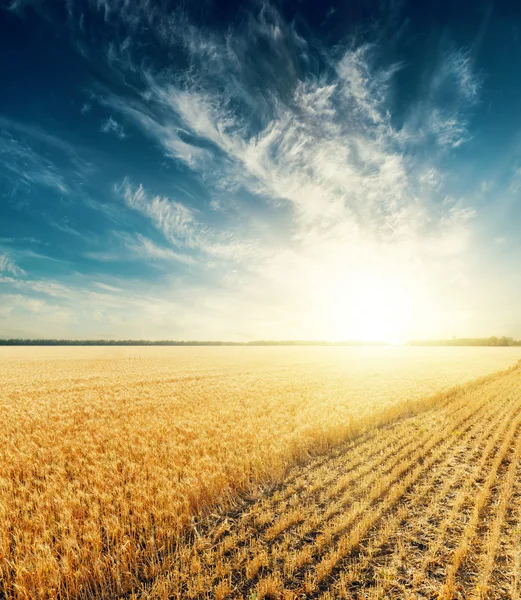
371	307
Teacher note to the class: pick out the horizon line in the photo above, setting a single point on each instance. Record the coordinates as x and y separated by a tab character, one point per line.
467	341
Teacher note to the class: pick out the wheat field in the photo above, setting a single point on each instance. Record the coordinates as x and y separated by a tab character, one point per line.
428	507
259	473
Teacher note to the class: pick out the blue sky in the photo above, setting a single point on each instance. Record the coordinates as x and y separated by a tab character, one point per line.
283	170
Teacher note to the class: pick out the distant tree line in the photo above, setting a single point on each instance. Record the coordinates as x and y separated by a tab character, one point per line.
489	341
52	342
55	342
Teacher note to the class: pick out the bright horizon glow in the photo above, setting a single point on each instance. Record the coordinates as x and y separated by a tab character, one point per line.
369	308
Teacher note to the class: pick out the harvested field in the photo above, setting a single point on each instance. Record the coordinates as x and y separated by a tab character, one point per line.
428	507
119	464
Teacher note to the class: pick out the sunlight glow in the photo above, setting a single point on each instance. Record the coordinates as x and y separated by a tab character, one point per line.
369	307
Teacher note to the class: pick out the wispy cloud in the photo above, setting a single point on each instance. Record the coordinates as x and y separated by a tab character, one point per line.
7	265
17	6
145	249
176	220
515	181
112	126
180	225
326	144
37	133
64	227
31	156
163	127
456	70
27	167
108	288
443	113
137	247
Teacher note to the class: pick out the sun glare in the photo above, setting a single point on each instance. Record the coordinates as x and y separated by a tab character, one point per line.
369	308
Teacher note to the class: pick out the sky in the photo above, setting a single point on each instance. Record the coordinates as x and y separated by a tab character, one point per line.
206	170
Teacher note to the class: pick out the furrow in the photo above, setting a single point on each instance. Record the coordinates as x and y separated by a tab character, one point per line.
417	509
514	586
386	467
507	575
426	576
362	516
448	589
490	543
412	479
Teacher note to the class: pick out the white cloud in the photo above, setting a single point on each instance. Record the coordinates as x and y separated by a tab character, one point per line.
158	127
173	218
144	248
27	167
327	146
180	226
112	126
139	247
448	129
515	181
104	256
453	90
7	265
327	166
107	287
27	162
35	132
456	70
66	228
486	186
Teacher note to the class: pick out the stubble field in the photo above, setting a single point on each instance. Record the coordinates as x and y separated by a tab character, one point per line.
259	473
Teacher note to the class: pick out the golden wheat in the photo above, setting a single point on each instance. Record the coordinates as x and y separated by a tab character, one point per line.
413	518
114	461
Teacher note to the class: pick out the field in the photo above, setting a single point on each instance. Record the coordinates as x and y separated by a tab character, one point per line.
259	473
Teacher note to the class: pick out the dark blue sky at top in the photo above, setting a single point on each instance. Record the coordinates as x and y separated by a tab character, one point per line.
100	98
